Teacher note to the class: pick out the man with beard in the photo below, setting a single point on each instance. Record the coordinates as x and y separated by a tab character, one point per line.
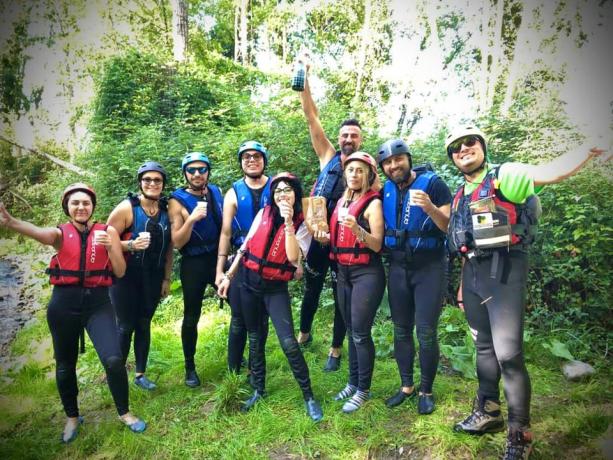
493	222
241	203
416	207
329	184
195	215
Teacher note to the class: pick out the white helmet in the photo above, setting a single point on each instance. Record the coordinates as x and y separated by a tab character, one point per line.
464	131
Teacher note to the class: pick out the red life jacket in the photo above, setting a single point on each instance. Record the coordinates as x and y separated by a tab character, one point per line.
345	248
502	224
265	252
79	262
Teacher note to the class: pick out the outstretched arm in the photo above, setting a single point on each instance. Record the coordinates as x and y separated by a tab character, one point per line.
321	144
565	165
51	236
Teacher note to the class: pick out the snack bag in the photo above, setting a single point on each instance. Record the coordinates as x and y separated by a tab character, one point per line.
315	213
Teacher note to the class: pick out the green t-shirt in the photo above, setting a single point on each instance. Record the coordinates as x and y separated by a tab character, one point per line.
514	180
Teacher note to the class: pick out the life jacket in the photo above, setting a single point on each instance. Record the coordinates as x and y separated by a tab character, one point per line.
265	251
158	227
204	238
494	222
345	248
79	262
246	209
329	182
408	228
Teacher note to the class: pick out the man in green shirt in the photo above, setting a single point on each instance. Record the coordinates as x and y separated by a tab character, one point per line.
493	221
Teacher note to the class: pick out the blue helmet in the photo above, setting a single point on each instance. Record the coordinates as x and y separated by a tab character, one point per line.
195	156
253	145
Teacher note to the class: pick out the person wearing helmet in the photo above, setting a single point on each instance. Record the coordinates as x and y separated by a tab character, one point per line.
144	228
195	213
493	221
356	237
241	203
416	206
80	299
329	184
267	260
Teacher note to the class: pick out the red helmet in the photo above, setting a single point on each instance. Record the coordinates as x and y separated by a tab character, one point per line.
77	187
365	158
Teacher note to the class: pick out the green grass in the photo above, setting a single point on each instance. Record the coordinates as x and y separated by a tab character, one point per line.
183	423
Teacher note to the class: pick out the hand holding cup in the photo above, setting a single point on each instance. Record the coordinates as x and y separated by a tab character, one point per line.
102	238
142	241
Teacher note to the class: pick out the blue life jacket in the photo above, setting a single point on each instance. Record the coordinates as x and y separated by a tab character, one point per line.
204	238
246	209
158	227
409	228
329	183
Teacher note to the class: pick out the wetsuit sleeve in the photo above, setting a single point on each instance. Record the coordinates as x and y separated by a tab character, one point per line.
439	193
515	182
304	238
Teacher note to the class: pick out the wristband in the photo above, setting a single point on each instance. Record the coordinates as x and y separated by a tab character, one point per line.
131	246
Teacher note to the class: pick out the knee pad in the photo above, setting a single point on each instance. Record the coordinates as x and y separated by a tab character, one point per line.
290	345
360	338
426	336
113	363
513	362
402	333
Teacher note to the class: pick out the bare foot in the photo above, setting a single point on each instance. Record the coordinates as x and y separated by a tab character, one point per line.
303	337
71	429
336	352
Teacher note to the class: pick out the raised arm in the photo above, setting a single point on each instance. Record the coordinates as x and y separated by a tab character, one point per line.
51	236
565	165
321	144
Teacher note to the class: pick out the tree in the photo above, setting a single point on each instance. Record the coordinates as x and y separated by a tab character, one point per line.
179	29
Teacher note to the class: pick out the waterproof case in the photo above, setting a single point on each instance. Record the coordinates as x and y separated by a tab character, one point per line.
490	227
315	214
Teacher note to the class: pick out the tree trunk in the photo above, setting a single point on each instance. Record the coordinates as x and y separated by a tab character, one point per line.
179	29
365	40
241	44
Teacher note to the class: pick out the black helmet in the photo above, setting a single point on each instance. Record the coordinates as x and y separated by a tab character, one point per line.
151	166
393	147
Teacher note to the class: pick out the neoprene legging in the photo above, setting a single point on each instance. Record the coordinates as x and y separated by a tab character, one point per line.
135	298
495	312
237	334
415	291
317	264
360	290
196	273
258	296
70	309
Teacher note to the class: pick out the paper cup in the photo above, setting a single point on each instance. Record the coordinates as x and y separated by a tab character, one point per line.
342	214
145	235
412	195
97	235
201	205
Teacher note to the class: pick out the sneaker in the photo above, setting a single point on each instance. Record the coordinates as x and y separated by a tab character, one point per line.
484	418
398	398
425	403
191	379
346	392
519	445
144	382
356	401
333	364
314	410
255	397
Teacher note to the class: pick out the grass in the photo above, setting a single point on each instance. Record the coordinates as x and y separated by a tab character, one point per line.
568	418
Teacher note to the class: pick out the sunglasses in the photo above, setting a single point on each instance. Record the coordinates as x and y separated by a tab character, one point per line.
456	146
286	191
151	180
252	156
201	169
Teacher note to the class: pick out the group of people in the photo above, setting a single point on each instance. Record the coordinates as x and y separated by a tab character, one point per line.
250	242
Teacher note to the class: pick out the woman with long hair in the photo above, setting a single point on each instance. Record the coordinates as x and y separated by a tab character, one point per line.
270	254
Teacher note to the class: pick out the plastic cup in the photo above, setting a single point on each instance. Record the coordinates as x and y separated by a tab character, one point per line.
201	205
342	215
145	235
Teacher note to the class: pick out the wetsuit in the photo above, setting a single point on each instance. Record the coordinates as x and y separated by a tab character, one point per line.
136	295
417	275
330	185
494	292
260	295
360	290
